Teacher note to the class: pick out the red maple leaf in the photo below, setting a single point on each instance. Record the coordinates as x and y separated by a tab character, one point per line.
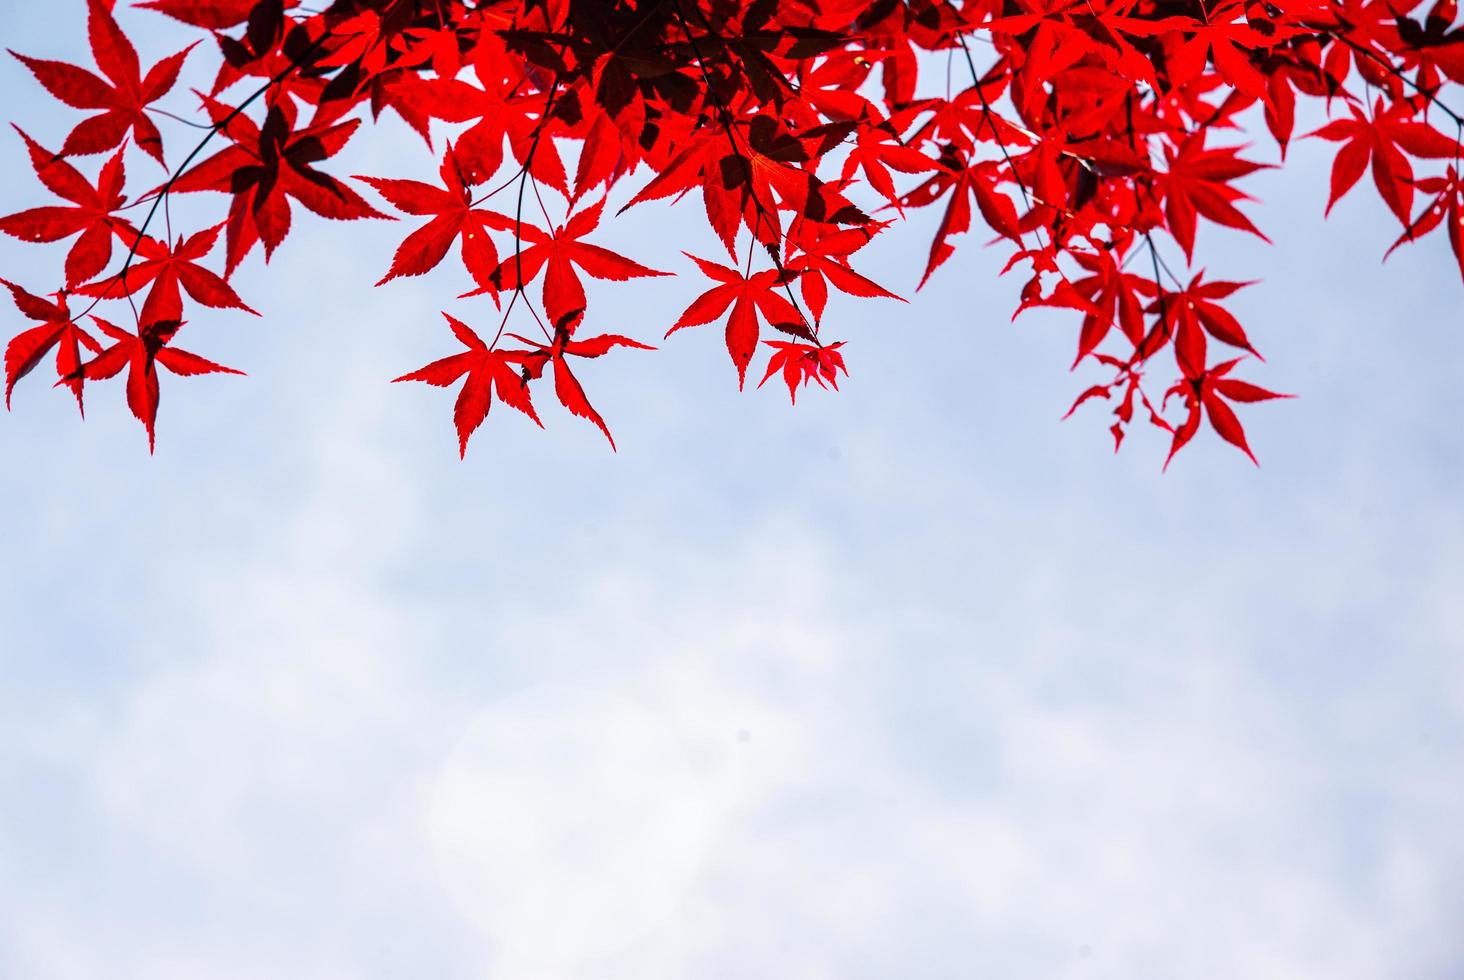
265	167
212	14
453	215
1189	314
1364	29
556	255
878	150
805	363
824	258
1227	37
747	170
495	112
27	348
1131	378
566	386
963	180
123	95
487	371
168	268
1210	391
1381	140
90	216
1198	181
1115	298
140	354
1446	208
747	296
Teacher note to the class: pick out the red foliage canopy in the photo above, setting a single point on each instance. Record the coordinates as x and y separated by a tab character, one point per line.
1093	140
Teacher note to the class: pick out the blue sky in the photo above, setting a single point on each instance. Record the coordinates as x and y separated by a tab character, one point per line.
908	680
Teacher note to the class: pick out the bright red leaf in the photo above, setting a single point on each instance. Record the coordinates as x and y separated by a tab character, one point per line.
487	371
141	354
57	331
123	94
91	214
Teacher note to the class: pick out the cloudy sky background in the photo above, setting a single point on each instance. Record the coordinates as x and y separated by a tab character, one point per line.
911	680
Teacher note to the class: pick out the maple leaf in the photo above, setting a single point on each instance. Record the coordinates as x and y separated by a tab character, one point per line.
1198	181
566	386
1367	28
963	121
1131	378
57	330
440	47
1447	208
453	215
212	14
362	41
1211	391
272	48
1113	45
832	86
1228	39
91	214
1114	295
603	158
123	95
876	152
805	363
1381	141
140	354
772	161
168	268
556	255
487	371
711	160
496	113
265	167
1433	45
1191	313
1054	45
747	296
963	182
746	170
824	258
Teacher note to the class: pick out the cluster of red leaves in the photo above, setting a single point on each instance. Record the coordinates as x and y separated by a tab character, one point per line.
1093	139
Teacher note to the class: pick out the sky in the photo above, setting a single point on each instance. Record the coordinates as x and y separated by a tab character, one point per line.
912	679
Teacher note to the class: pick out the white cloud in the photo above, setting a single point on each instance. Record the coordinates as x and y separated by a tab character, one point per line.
767	806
